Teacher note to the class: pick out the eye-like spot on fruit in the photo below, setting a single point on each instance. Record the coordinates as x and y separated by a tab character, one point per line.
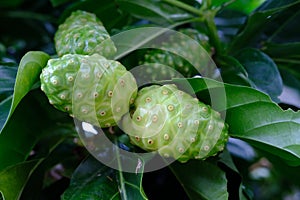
54	81
70	78
95	94
138	118
67	108
122	82
107	125
118	109
137	138
154	118
181	150
110	93
85	76
62	96
165	92
150	141
166	155
179	124
131	101
193	139
166	137
84	110
148	99
79	95
210	127
206	148
170	107
196	122
102	113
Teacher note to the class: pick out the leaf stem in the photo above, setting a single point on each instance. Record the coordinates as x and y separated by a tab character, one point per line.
122	188
184	6
213	31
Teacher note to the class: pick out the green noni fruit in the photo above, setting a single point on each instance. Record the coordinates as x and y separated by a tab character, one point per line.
83	33
173	123
90	88
180	56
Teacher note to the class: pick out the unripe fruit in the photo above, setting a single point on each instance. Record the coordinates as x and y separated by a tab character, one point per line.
90	88
83	33
183	53
175	124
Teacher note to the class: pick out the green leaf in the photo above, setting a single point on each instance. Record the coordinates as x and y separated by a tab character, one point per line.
104	10
258	21
158	12
233	71
28	73
244	6
7	81
262	71
93	180
254	118
58	2
279	52
29	175
14	178
201	179
30	121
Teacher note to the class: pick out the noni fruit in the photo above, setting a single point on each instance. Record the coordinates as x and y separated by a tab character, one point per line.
182	55
90	88
83	33
173	123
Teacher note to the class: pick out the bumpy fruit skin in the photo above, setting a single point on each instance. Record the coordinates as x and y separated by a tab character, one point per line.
170	52
175	124
83	33
90	88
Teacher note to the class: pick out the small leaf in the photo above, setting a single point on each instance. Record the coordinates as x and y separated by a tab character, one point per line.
262	71
28	73
254	118
201	179
93	180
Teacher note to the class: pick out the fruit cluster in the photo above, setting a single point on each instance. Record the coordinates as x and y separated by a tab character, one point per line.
83	82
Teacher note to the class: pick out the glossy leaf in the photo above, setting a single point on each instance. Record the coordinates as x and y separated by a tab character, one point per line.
28	73
104	10
244	6
254	118
262	72
93	180
14	178
21	133
158	12
201	179
258	21
7	81
280	52
32	172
